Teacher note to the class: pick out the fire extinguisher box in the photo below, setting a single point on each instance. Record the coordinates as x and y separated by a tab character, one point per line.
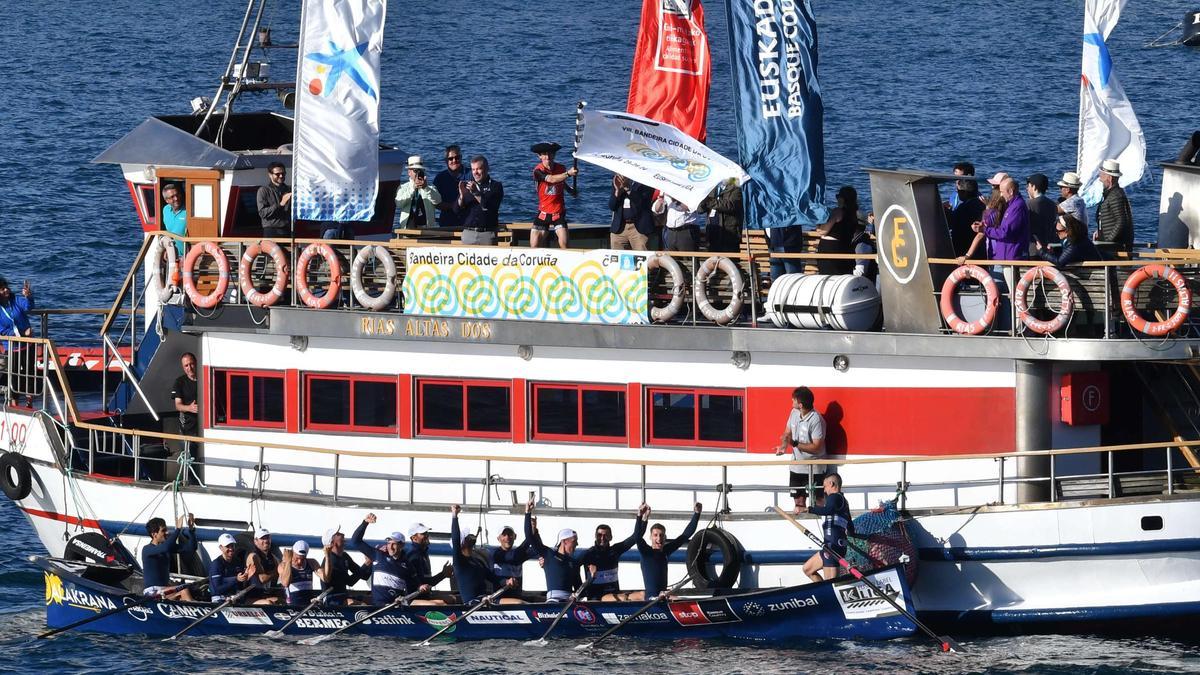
1085	398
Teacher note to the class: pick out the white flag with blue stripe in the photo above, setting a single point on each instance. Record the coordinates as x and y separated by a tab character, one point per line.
335	171
1108	129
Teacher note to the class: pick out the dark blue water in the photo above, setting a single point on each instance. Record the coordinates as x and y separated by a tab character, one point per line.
907	84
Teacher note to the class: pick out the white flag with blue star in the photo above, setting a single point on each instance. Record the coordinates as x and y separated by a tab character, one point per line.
335	172
1108	129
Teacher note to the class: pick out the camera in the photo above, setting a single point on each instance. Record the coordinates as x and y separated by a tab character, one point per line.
419	173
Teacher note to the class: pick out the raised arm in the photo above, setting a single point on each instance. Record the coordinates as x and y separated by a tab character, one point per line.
356	539
639	529
673	545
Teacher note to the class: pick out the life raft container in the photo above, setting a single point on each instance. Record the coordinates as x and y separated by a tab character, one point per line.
703	273
1129	292
701	566
159	286
246	282
335	276
16	476
950	289
672	268
373	302
213	298
1066	305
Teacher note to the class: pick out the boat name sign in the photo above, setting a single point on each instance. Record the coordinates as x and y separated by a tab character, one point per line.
426	328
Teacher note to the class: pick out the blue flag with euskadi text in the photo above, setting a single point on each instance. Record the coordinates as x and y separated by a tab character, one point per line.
773	51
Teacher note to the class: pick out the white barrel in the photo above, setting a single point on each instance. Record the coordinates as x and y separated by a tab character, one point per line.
840	302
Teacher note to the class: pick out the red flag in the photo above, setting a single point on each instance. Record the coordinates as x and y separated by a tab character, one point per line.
671	66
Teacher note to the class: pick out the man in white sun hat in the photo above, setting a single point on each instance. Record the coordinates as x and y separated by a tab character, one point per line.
558	562
1071	203
1114	218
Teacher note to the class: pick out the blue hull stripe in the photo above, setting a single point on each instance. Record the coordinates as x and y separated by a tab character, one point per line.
1004	617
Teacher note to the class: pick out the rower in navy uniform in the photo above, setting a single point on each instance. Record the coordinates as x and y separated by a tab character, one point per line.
391	576
471	572
836	526
296	574
508	560
418	563
656	554
227	574
559	563
264	570
340	570
603	558
156	556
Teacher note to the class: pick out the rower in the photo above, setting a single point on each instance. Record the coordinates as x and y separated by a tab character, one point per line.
559	563
226	574
658	551
340	570
469	571
836	526
390	573
603	558
156	556
296	574
264	568
508	560
419	566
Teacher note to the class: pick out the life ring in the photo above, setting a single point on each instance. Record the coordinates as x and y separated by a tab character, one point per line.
189	275
365	254
950	287
666	262
249	291
16	476
162	288
734	309
699	556
1066	305
335	276
1129	290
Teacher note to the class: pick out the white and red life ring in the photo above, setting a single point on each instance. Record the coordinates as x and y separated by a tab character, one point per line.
335	276
666	262
705	271
213	298
246	283
1129	291
163	287
365	254
1066	305
950	287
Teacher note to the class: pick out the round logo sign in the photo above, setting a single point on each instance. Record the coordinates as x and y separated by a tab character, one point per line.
584	615
899	243
1091	398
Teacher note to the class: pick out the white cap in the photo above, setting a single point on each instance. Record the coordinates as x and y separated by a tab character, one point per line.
417	528
226	539
327	538
396	536
300	547
261	533
563	535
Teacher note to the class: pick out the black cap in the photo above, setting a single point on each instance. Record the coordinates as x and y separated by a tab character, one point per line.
3	282
545	148
1039	181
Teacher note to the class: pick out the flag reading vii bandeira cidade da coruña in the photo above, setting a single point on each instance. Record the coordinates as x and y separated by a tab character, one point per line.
777	106
335	171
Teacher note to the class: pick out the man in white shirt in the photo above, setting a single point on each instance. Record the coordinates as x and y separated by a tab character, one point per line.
805	436
682	231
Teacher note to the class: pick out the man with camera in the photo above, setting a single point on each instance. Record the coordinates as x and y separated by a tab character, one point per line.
417	200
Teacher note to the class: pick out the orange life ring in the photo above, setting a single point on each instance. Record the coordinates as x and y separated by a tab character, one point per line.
335	276
189	274
1066	305
252	294
1129	290
960	274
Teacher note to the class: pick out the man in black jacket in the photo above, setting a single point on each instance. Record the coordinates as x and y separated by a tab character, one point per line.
632	220
1114	219
726	214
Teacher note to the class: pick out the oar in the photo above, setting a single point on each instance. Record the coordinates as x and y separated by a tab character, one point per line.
658	598
145	599
478	605
228	601
944	642
315	601
318	639
541	642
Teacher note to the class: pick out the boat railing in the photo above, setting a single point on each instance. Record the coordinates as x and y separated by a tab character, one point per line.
126	305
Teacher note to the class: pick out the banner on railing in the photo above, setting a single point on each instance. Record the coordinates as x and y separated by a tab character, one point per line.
599	286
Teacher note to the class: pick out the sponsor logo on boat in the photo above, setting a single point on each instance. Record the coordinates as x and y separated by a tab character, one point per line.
692	613
501	617
644	617
141	612
584	615
180	612
899	243
859	601
793	603
753	609
321	622
384	619
282	616
439	620
58	593
246	616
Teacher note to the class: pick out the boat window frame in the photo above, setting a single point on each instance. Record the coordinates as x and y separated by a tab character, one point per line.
353	378
580	437
695	441
252	374
466	383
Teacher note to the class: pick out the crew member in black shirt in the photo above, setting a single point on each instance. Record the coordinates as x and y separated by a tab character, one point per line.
183	393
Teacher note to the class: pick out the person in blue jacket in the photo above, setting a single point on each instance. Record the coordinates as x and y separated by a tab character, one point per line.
1076	246
836	526
391	577
227	574
656	554
602	559
156	556
471	572
508	560
559	563
14	320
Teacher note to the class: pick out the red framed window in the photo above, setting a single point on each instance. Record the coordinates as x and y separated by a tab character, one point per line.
350	403
473	408
248	398
593	413
696	417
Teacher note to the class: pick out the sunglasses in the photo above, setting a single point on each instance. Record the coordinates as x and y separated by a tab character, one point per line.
453	158
279	174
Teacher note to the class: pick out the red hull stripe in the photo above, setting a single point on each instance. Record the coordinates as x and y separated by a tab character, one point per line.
63	518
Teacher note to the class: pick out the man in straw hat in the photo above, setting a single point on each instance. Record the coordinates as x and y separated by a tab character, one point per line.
1114	219
1071	203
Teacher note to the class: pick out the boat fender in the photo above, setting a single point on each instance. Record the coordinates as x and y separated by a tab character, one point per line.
1191	29
1066	305
950	288
700	552
160	287
189	274
246	282
335	276
733	310
365	254
108	562
1129	292
16	476
672	268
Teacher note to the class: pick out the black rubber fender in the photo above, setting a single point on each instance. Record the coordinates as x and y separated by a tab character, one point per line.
107	562
700	552
16	476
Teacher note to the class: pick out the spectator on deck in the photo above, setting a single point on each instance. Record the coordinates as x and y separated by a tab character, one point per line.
632	220
725	216
551	180
681	230
479	204
864	244
960	169
417	200
1190	153
1071	203
837	232
993	213
1076	247
14	320
274	203
1042	210
446	183
174	215
1009	238
183	395
1114	219
965	207
786	240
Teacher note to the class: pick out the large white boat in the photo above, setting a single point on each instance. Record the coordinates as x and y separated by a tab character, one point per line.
1045	480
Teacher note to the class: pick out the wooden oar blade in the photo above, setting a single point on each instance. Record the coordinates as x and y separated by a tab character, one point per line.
315	640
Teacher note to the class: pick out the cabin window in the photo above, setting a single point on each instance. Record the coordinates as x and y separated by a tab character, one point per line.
701	417
579	412
474	408
245	398
350	403
148	203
